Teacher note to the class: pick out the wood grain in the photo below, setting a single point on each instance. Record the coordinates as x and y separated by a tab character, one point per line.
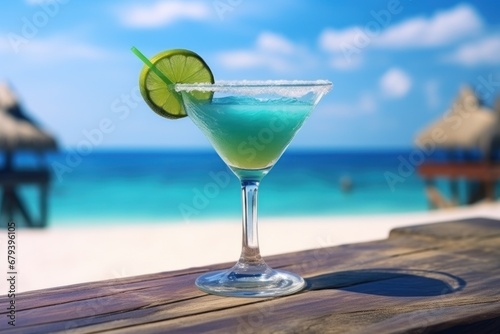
430	278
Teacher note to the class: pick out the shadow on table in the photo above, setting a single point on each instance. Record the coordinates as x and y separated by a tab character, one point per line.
389	282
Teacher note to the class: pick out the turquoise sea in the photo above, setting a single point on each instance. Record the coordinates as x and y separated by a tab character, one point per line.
171	186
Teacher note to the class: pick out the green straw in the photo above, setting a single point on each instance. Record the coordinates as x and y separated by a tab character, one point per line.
151	66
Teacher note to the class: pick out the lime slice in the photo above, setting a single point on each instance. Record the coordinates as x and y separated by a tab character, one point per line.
180	66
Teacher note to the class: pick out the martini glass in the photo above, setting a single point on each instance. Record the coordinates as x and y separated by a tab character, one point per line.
250	124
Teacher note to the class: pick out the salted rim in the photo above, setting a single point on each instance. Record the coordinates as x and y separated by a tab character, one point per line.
282	87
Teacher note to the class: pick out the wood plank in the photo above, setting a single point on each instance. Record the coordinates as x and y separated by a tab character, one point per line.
424	278
476	171
18	177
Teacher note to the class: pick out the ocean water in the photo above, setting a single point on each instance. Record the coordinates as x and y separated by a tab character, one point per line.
168	186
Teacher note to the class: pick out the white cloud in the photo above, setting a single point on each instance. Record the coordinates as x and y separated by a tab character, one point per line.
54	48
162	13
4	45
274	43
345	46
339	44
342	63
443	28
252	59
335	40
271	51
395	83
482	52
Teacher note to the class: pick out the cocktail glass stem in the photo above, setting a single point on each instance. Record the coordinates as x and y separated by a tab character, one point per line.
250	252
250	276
250	266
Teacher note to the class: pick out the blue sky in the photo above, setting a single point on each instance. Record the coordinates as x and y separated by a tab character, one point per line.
395	65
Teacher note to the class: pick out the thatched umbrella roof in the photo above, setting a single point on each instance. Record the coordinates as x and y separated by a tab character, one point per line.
18	131
466	125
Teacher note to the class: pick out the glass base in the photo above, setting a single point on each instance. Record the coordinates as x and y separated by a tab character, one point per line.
232	283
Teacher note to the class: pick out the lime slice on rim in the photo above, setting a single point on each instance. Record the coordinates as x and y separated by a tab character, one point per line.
180	66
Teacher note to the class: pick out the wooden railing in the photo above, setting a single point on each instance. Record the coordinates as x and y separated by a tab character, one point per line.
12	204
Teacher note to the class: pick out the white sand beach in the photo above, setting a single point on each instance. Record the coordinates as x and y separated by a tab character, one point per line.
60	256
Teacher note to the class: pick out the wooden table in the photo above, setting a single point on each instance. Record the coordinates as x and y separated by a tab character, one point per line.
441	277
